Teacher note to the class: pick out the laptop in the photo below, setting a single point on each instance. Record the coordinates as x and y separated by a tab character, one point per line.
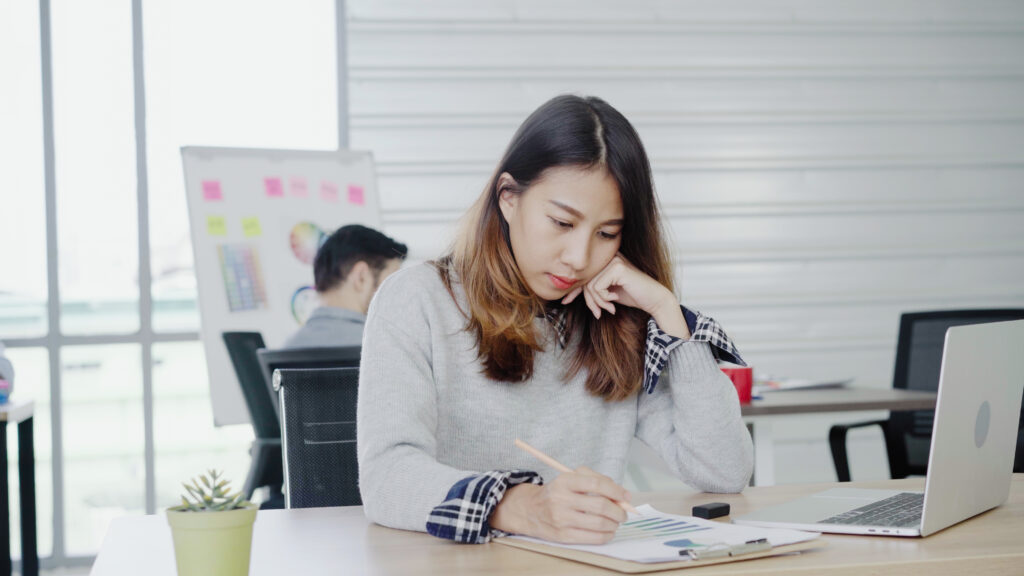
970	463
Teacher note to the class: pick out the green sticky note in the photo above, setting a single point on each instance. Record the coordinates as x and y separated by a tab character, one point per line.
216	226
251	226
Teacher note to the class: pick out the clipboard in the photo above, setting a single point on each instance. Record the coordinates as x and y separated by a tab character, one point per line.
630	567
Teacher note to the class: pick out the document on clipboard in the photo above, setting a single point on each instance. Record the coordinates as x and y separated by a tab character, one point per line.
653	540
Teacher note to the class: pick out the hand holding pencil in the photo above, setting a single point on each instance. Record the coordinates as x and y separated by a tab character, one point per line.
576	507
563	468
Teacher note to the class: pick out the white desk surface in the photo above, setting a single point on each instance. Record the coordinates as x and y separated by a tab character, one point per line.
341	541
15	410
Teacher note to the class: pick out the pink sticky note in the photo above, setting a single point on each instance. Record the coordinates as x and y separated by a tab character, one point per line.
355	194
329	191
211	190
273	186
298	186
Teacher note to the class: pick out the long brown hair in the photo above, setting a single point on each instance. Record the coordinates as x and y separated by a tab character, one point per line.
573	131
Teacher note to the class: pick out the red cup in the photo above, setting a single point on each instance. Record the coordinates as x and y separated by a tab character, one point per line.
743	379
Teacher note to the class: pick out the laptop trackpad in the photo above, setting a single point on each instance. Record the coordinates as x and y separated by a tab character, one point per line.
821	505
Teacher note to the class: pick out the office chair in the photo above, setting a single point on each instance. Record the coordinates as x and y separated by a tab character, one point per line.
918	363
266	468
325	357
318	408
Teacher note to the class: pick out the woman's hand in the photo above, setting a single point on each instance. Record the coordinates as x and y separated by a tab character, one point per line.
576	508
624	283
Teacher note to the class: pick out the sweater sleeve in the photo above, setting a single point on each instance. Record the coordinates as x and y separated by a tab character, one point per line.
694	421
401	482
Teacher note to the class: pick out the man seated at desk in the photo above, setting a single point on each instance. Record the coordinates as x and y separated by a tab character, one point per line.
348	269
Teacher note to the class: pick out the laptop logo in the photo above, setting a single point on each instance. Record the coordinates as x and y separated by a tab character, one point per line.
981	424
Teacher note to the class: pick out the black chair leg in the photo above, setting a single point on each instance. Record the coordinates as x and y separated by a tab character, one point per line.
837	443
5	507
1018	458
27	487
253	476
266	467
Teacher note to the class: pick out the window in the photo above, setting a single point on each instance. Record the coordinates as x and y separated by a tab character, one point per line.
187	442
104	440
213	82
217	73
97	213
22	202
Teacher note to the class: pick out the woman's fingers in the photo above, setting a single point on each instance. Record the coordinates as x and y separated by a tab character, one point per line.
588	297
602	507
581	507
587	481
572	295
597	521
597	292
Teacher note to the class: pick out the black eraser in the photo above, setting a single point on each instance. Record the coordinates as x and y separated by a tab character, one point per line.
711	510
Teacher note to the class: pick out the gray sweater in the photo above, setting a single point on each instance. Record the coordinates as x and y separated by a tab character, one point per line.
428	417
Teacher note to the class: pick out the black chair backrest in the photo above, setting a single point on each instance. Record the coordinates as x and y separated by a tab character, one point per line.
326	357
318	408
918	363
242	348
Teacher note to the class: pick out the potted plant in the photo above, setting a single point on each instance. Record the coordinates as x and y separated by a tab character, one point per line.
212	529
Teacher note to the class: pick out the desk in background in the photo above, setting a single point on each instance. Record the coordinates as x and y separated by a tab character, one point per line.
758	414
19	412
341	540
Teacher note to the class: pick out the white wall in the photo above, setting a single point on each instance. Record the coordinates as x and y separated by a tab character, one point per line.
824	165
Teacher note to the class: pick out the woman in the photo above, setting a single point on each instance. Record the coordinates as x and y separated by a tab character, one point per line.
553	320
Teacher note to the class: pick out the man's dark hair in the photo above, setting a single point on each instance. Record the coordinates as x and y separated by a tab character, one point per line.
348	246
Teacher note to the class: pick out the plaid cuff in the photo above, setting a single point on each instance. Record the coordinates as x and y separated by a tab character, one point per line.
463	515
702	329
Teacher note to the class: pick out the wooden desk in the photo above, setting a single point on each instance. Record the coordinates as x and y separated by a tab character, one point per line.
342	541
795	402
19	412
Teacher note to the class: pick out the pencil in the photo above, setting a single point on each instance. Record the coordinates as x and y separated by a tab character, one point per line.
563	468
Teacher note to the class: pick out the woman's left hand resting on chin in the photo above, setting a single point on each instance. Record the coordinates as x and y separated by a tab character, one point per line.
621	282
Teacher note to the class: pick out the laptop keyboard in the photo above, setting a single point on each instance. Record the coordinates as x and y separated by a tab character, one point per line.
900	511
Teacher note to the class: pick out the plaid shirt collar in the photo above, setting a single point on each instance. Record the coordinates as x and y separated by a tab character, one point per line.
556	317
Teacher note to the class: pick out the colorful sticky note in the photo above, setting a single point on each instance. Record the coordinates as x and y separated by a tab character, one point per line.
298	186
251	226
329	191
273	187
355	194
211	190
216	226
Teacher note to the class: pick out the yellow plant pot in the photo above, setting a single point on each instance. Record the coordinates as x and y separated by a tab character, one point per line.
212	543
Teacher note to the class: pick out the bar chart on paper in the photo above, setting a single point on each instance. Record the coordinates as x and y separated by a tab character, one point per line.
659	527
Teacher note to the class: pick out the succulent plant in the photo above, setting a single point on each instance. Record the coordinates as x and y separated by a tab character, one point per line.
210	494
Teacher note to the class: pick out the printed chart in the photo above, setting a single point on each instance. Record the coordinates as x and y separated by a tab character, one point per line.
653	536
243	279
659	527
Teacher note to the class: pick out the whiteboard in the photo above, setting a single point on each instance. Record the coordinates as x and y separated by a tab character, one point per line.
257	218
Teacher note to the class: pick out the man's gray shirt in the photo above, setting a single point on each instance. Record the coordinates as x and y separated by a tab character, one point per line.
328	326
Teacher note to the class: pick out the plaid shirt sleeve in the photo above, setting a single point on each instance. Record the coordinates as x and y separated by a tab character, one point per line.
702	329
463	515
